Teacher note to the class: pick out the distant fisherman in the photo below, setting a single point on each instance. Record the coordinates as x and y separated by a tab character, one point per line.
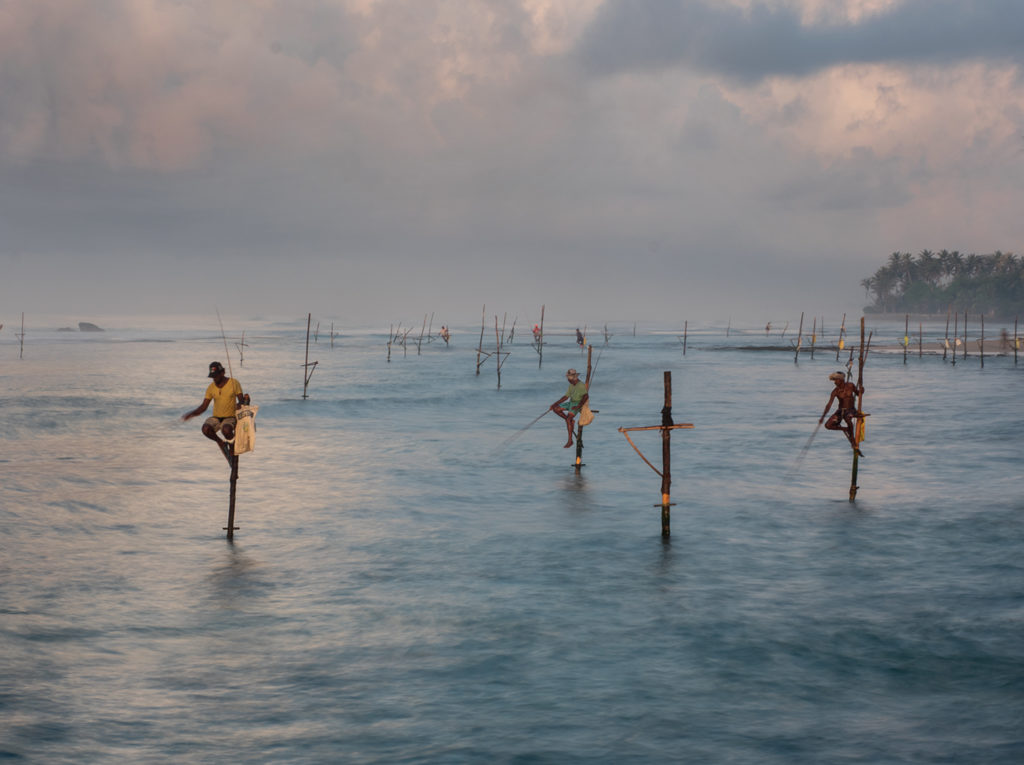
226	394
568	405
846	394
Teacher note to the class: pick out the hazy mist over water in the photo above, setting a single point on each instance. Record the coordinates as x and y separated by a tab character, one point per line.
410	583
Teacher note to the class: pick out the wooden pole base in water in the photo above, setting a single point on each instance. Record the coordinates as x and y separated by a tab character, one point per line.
666	428
231	527
579	447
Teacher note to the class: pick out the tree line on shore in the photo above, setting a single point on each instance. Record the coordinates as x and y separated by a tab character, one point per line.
934	282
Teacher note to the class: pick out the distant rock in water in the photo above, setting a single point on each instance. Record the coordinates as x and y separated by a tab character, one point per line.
85	326
66	329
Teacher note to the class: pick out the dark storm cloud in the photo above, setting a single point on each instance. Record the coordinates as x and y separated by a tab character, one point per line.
763	42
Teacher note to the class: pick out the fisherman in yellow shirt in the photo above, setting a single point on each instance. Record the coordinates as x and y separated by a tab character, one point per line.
226	394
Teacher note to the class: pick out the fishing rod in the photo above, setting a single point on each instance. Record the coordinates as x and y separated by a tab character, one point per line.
225	338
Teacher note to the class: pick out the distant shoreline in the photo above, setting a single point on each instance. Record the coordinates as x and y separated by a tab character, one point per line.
920	317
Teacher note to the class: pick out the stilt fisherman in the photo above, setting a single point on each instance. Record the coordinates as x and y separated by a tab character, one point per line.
226	394
846	415
569	405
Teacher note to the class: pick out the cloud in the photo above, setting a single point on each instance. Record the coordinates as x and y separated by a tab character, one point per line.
750	44
391	152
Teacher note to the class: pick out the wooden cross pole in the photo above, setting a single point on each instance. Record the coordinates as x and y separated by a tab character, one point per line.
666	428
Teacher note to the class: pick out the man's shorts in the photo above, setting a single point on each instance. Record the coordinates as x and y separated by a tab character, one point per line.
568	407
840	416
218	423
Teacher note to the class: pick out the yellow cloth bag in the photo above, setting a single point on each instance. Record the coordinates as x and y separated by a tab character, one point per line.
585	416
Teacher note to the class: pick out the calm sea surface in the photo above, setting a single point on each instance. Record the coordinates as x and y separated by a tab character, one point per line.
416	579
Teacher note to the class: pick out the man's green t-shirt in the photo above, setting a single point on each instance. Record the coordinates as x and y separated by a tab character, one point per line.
576	392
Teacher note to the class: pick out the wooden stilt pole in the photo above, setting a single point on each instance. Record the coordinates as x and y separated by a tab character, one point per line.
799	339
814	334
965	336
666	458
305	367
981	341
579	428
857	428
480	346
841	343
952	354
241	346
686	326
1016	341
231	527
497	349
21	337
906	336
945	345
920	339
540	340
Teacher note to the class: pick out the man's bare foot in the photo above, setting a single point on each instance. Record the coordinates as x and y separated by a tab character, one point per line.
226	449
568	445
859	452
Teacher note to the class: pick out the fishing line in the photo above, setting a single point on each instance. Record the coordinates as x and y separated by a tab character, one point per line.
791	473
505	444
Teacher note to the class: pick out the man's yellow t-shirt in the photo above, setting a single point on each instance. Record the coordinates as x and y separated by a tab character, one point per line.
224	398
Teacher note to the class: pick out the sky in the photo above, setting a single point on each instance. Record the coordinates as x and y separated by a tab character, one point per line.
615	160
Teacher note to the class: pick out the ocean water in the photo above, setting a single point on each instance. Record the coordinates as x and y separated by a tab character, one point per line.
418	577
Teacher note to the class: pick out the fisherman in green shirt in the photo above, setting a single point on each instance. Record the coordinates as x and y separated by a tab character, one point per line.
568	405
